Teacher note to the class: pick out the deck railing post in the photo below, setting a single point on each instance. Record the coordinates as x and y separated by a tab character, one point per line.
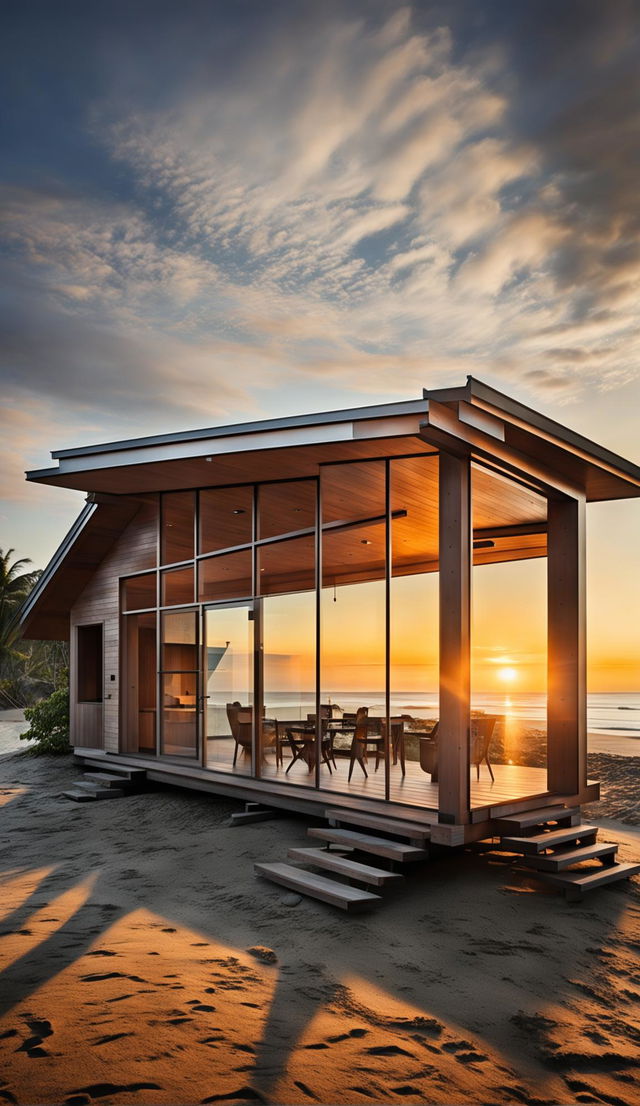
567	699
455	637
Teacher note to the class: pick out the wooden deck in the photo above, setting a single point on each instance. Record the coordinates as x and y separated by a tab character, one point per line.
512	781
515	789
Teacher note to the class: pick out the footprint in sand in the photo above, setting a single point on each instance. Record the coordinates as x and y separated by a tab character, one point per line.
111	1037
265	955
41	1029
242	1095
102	1090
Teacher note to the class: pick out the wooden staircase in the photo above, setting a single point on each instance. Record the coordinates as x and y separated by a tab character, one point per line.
556	846
114	784
340	845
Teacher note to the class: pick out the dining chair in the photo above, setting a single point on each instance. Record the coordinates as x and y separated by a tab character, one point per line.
364	742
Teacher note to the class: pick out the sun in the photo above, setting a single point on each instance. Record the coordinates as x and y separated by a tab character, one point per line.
507	675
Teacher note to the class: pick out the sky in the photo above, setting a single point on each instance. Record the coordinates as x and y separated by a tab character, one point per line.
214	212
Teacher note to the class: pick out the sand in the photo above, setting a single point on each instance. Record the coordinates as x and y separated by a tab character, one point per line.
143	962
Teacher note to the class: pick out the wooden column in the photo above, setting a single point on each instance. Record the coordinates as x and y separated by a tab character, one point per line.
567	680
455	638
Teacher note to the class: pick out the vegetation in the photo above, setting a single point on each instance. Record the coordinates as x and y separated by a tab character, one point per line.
29	670
49	725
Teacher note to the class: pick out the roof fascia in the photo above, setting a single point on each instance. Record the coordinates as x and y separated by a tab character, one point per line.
488	398
396	422
61	552
443	428
321	418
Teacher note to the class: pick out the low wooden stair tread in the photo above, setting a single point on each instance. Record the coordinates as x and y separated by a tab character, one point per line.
556	862
576	882
386	825
336	862
107	779
84	791
515	823
319	887
541	841
379	846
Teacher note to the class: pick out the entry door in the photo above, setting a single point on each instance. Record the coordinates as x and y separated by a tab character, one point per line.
228	702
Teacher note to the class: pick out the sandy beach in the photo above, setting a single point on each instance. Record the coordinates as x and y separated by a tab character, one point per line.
143	962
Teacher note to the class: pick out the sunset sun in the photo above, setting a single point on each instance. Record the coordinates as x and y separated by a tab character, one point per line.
507	675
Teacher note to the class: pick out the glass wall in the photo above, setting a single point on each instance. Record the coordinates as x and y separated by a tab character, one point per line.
225	518
240	620
177	527
179	683
228	682
140	665
509	634
353	622
414	627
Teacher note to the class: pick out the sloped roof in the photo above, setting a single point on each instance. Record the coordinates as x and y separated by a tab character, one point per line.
45	613
298	445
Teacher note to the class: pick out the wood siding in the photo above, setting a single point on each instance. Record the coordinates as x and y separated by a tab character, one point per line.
134	551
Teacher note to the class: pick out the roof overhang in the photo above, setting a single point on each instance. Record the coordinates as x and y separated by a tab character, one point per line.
45	612
474	418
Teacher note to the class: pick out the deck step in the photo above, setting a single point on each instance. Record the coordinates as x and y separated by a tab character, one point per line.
79	796
541	841
106	779
557	862
318	887
575	883
334	862
516	823
240	817
81	793
386	825
379	846
123	771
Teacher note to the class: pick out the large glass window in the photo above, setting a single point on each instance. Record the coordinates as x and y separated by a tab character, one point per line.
283	508
139	592
286	566
229	698
139	657
353	622
178	521
177	586
179	683
414	628
226	576
289	659
226	518
258	574
509	636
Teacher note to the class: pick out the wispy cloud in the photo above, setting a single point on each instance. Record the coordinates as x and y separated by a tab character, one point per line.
357	201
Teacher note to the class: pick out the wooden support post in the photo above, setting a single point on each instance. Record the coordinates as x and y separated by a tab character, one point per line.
455	638
567	680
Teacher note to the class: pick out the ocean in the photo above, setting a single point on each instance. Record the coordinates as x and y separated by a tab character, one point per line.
612	713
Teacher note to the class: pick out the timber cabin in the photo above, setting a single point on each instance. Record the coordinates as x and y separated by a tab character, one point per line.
218	583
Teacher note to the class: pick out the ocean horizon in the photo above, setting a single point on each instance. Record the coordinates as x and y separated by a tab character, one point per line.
616	713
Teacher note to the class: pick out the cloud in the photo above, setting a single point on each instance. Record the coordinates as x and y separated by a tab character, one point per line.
361	199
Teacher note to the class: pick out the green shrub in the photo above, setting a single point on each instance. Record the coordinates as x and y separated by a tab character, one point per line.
49	725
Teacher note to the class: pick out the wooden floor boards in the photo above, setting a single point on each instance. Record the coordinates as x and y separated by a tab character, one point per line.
512	781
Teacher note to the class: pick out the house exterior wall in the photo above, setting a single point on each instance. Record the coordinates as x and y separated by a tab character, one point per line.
134	551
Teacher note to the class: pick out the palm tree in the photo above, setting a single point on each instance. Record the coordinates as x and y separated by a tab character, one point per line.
15	586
